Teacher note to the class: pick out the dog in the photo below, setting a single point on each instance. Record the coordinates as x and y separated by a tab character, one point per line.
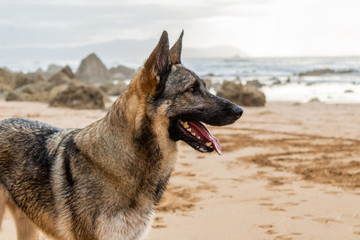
104	181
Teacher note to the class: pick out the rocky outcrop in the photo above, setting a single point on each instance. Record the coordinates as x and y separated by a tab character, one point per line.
121	73
78	96
9	80
254	83
64	76
323	71
62	89
241	95
92	70
5	80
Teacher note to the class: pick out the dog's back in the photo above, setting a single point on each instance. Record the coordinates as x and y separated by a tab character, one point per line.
25	164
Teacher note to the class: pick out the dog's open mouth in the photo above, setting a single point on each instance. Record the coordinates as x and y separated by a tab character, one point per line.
198	136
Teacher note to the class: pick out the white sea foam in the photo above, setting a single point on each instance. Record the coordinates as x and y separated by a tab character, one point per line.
324	92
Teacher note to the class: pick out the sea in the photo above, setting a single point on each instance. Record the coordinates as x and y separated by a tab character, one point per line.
282	77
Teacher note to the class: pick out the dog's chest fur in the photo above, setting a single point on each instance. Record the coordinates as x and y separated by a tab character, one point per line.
128	225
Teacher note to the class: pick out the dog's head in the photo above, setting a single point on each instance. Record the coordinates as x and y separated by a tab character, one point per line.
184	98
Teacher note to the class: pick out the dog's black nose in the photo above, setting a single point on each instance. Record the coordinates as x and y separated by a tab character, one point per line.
236	110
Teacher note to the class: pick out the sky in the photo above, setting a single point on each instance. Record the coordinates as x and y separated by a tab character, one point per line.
260	28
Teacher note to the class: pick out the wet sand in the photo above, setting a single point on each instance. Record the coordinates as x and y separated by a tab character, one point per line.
288	171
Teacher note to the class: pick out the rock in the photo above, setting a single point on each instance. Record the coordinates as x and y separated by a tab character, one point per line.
231	91
252	97
21	80
113	89
315	99
288	80
14	96
348	91
121	73
209	74
346	71
92	70
11	80
40	91
275	81
241	95
38	76
254	83
5	80
64	76
53	68
317	72
78	96
68	72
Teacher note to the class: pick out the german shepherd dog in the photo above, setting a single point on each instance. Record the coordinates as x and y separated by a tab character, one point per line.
103	181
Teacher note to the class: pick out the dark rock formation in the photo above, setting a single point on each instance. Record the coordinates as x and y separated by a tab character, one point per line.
323	71
254	83
78	96
242	95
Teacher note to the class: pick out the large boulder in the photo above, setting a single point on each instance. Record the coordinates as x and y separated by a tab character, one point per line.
78	96
231	91
241	95
92	70
9	80
251	96
121	73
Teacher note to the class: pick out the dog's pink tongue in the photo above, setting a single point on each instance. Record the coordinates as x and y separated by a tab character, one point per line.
204	133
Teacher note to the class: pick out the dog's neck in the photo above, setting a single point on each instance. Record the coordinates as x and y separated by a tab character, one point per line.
130	142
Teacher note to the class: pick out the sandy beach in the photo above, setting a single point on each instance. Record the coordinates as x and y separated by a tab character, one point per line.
288	171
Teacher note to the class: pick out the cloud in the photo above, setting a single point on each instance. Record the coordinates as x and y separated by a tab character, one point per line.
259	27
56	22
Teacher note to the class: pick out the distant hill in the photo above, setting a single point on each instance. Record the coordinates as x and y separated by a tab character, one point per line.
121	51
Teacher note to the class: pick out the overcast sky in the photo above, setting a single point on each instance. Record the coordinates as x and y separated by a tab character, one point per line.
258	27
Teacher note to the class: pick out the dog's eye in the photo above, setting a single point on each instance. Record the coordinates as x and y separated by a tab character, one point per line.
191	90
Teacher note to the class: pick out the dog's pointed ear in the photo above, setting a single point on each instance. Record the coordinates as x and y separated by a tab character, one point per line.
159	60
175	51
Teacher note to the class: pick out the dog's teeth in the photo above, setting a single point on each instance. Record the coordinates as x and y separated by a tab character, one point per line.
199	137
186	125
209	144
